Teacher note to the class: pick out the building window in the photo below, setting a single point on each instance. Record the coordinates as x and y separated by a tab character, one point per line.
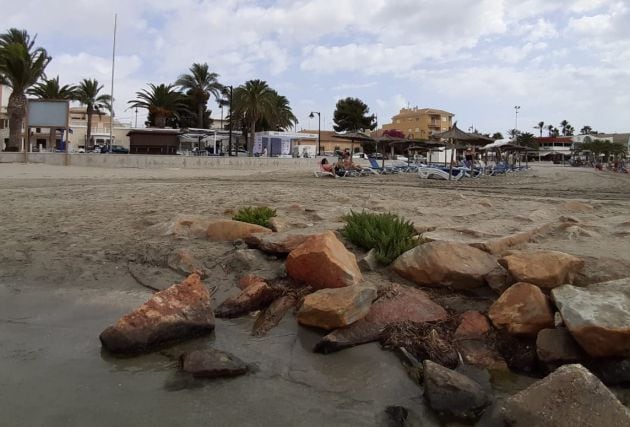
4	123
397	120
443	119
38	130
417	129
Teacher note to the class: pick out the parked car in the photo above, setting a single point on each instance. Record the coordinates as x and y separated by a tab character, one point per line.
119	149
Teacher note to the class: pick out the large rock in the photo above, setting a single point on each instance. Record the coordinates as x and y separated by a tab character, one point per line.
598	316
452	393
180	312
228	230
322	261
547	269
558	346
522	310
184	262
212	363
398	304
336	308
569	397
254	297
446	264
278	243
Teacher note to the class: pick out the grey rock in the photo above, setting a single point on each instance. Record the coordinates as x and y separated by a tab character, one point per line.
557	346
212	363
598	316
569	397
452	393
368	262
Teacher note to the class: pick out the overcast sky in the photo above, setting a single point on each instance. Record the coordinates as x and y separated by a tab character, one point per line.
557	59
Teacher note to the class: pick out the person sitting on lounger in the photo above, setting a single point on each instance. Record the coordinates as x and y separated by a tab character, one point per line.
347	162
327	167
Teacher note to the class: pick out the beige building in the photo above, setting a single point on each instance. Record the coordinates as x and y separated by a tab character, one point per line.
5	91
420	123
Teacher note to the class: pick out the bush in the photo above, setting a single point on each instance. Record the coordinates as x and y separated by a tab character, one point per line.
255	215
389	234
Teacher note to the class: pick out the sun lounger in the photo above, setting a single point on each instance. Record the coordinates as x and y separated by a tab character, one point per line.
375	166
437	173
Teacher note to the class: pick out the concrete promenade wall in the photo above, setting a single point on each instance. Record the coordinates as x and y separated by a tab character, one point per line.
159	161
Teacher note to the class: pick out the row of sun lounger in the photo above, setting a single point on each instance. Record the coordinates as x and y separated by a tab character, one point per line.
424	171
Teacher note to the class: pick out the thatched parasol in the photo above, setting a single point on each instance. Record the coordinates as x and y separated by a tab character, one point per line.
354	136
456	134
392	140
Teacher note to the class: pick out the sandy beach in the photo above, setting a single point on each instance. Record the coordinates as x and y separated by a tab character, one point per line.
69	235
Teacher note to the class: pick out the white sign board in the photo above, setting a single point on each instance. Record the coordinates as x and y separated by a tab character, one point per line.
47	114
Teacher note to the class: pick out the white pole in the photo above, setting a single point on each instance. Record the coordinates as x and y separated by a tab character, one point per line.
111	118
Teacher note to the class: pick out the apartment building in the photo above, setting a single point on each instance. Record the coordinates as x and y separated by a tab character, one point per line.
420	123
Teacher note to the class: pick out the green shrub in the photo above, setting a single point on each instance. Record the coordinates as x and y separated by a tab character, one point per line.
389	234
255	215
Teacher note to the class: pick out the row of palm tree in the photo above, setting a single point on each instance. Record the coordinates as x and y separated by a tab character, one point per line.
22	68
566	129
255	105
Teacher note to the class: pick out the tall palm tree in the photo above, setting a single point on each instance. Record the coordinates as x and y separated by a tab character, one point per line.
550	130
51	89
564	125
21	66
88	93
282	116
540	126
200	84
162	101
254	101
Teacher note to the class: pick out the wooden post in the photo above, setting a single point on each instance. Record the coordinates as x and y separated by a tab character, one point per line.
450	169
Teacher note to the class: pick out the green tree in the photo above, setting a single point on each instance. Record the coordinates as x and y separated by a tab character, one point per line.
351	115
88	93
200	84
280	116
527	139
497	135
163	102
586	130
566	128
21	66
513	133
253	101
540	126
550	130
52	89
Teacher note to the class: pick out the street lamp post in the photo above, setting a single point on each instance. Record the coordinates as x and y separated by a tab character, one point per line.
230	129
516	108
319	130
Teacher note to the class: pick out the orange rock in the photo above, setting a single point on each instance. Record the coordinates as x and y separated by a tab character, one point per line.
547	269
278	243
522	309
227	230
456	265
249	280
322	261
174	314
336	308
255	297
472	325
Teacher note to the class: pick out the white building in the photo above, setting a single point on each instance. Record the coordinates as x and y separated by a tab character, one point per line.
285	144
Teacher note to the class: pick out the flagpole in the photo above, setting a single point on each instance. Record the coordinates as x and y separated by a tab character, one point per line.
111	110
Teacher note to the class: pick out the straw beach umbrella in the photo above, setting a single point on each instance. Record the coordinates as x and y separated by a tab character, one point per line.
352	137
454	134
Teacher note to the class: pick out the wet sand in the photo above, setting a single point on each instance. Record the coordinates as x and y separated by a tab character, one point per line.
70	233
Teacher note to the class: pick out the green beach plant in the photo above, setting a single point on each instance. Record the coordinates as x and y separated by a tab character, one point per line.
388	234
259	215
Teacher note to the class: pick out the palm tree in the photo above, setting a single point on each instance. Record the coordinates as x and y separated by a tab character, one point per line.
200	84
564	125
540	127
586	130
21	66
253	101
550	130
162	101
51	89
281	115
88	94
